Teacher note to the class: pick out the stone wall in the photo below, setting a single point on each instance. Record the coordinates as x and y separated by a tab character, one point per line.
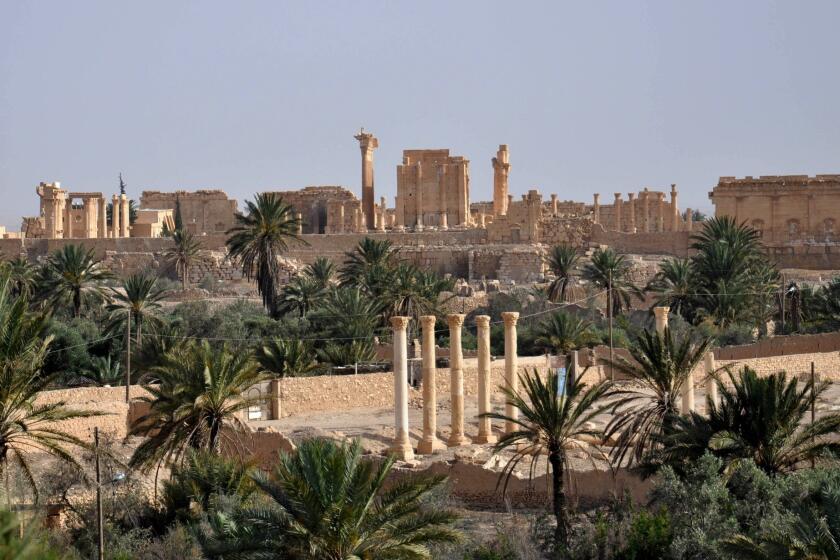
675	243
203	212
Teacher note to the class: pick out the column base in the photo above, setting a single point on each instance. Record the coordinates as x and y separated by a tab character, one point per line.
430	446
485	438
402	451
457	440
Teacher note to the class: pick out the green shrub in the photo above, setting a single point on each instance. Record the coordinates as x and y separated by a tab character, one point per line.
649	537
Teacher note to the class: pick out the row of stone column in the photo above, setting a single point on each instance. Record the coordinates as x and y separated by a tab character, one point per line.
429	442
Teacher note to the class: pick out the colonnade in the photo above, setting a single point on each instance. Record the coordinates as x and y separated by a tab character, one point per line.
429	442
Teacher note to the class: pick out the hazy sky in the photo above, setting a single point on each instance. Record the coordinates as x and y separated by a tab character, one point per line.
246	96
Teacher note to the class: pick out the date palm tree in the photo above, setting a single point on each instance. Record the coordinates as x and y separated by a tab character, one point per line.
26	427
611	272
551	423
195	399
675	286
23	276
258	239
300	295
765	419
369	264
660	366
326	502
322	270
74	274
562	261
185	252
286	358
140	296
562	332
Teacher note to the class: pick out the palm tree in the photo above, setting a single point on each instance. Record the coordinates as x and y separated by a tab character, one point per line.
562	261
27	428
758	418
185	252
104	372
339	354
348	313
660	367
322	270
610	271
368	264
286	358
328	503
73	273
675	286
411	292
258	239
23	276
140	297
551	423
195	402
562	332
300	295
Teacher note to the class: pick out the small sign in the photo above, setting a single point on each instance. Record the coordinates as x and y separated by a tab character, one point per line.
561	381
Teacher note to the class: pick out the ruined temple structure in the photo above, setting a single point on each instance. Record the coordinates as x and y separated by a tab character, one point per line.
645	211
203	212
326	209
76	215
784	208
433	189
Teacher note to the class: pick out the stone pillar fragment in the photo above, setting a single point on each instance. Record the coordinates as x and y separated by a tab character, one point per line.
511	362
646	211
485	427
660	212
125	220
340	224
689	219
711	384
617	211
554	209
661	314
367	143
401	446
429	443
299	218
115	216
596	208
675	209
103	220
68	218
631	215
456	380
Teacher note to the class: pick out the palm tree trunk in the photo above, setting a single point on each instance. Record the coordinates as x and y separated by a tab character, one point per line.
77	302
139	323
555	459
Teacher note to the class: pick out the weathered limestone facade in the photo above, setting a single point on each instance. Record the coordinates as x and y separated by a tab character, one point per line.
203	212
324	209
433	189
75	215
785	209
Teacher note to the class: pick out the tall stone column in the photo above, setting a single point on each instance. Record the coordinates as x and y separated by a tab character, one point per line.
125	218
103	220
402	445
299	218
675	209
357	219
383	216
554	205
617	211
367	143
340	224
68	218
631	215
511	362
115	216
711	385
661	314
501	170
419	197
485	428
596	208
456	380
646	210
660	212
689	219
429	442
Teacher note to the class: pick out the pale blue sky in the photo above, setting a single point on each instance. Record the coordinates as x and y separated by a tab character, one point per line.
245	96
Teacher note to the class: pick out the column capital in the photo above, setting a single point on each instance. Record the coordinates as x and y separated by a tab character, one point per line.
482	321
427	321
400	323
455	319
661	311
617	195
631	196
510	318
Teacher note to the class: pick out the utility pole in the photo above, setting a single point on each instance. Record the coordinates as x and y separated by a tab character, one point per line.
128	357
784	294
610	315
813	403
100	528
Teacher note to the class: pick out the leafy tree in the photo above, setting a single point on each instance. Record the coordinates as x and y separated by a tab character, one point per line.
140	296
258	239
17	543
552	423
764	419
74	274
185	252
562	261
328	503
27	428
198	392
659	368
562	332
610	271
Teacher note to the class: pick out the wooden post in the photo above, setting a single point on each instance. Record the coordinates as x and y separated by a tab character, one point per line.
128	357
99	523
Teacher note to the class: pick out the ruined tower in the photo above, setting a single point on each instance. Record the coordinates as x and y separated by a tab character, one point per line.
367	142
501	168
